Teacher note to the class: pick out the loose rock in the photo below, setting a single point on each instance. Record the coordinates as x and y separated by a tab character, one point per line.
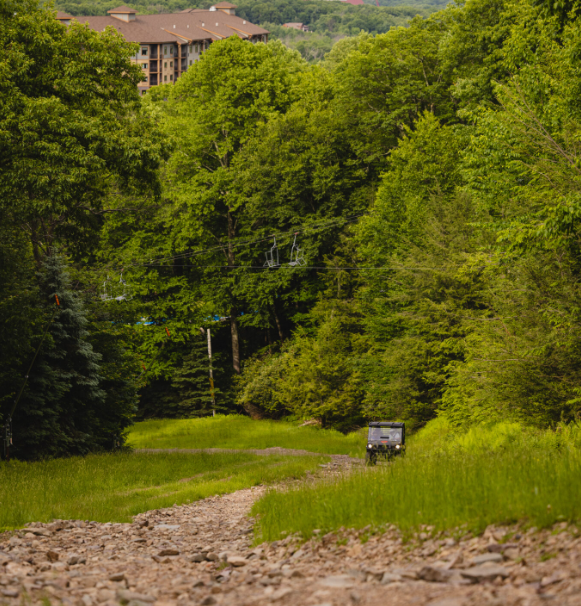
209	541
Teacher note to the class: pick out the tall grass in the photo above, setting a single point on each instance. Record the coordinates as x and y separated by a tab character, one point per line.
235	431
115	487
488	475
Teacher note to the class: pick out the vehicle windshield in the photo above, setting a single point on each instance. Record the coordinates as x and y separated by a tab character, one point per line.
393	434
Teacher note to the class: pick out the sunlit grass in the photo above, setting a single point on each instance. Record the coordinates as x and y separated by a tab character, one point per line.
235	431
488	475
115	487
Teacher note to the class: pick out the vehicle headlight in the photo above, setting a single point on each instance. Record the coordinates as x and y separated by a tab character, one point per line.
398	446
369	446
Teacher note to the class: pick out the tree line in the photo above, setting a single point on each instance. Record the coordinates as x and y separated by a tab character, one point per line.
420	185
327	22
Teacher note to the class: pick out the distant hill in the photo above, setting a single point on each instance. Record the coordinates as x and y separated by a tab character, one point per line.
327	20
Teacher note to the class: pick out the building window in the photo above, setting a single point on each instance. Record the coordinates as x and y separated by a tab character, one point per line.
171	63
165	78
165	50
144	52
170	77
190	61
165	64
144	66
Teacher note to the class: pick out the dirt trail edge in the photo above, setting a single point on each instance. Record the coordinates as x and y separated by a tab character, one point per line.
201	554
265	452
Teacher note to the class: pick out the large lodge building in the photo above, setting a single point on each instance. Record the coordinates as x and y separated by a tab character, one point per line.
170	43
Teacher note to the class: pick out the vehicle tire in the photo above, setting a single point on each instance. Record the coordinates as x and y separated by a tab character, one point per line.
370	459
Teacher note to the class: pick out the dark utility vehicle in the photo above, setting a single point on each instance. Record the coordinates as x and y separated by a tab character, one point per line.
384	440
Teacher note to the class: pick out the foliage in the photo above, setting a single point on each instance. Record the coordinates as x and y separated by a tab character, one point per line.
419	308
258	386
422	184
72	135
324	18
20	321
191	383
64	409
318	378
68	131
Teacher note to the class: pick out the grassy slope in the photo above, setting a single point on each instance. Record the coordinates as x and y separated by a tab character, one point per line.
241	432
500	474
114	487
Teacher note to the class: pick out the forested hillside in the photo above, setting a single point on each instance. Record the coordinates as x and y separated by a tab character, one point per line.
309	12
327	21
416	195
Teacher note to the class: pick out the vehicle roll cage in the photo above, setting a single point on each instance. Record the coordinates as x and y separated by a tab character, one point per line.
390	424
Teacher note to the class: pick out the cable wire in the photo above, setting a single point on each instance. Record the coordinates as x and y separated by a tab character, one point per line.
301	267
314	227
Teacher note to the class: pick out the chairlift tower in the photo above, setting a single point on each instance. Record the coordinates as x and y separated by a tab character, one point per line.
211	372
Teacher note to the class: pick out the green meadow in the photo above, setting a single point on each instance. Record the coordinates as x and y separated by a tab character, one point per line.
236	431
449	479
115	487
498	474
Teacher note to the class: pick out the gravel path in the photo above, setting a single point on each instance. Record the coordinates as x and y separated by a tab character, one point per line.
201	554
265	452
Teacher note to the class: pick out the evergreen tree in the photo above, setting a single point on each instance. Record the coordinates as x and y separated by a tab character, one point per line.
59	412
191	382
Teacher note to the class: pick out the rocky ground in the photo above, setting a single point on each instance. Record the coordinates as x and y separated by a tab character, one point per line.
201	554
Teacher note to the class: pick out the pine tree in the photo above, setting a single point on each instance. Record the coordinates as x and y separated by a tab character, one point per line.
192	383
59	412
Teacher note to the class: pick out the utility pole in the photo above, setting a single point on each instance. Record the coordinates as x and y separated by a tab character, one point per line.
211	372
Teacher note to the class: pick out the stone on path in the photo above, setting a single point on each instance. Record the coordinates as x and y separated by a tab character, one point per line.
340	582
484	573
487	558
213	562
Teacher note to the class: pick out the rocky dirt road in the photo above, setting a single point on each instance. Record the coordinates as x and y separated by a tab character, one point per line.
201	554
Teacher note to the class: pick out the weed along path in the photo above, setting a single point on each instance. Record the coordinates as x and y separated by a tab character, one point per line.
201	553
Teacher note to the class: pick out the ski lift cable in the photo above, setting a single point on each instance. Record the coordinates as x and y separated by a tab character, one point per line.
311	228
309	267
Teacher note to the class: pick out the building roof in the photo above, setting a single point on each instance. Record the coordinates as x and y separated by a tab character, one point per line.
292	25
177	27
60	15
180	28
354	2
124	10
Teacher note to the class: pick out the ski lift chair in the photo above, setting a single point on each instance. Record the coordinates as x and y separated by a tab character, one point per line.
124	296
272	256
106	296
297	257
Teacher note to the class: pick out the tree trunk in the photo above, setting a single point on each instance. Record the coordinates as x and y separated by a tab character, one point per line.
269	337
233	310
235	339
278	324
